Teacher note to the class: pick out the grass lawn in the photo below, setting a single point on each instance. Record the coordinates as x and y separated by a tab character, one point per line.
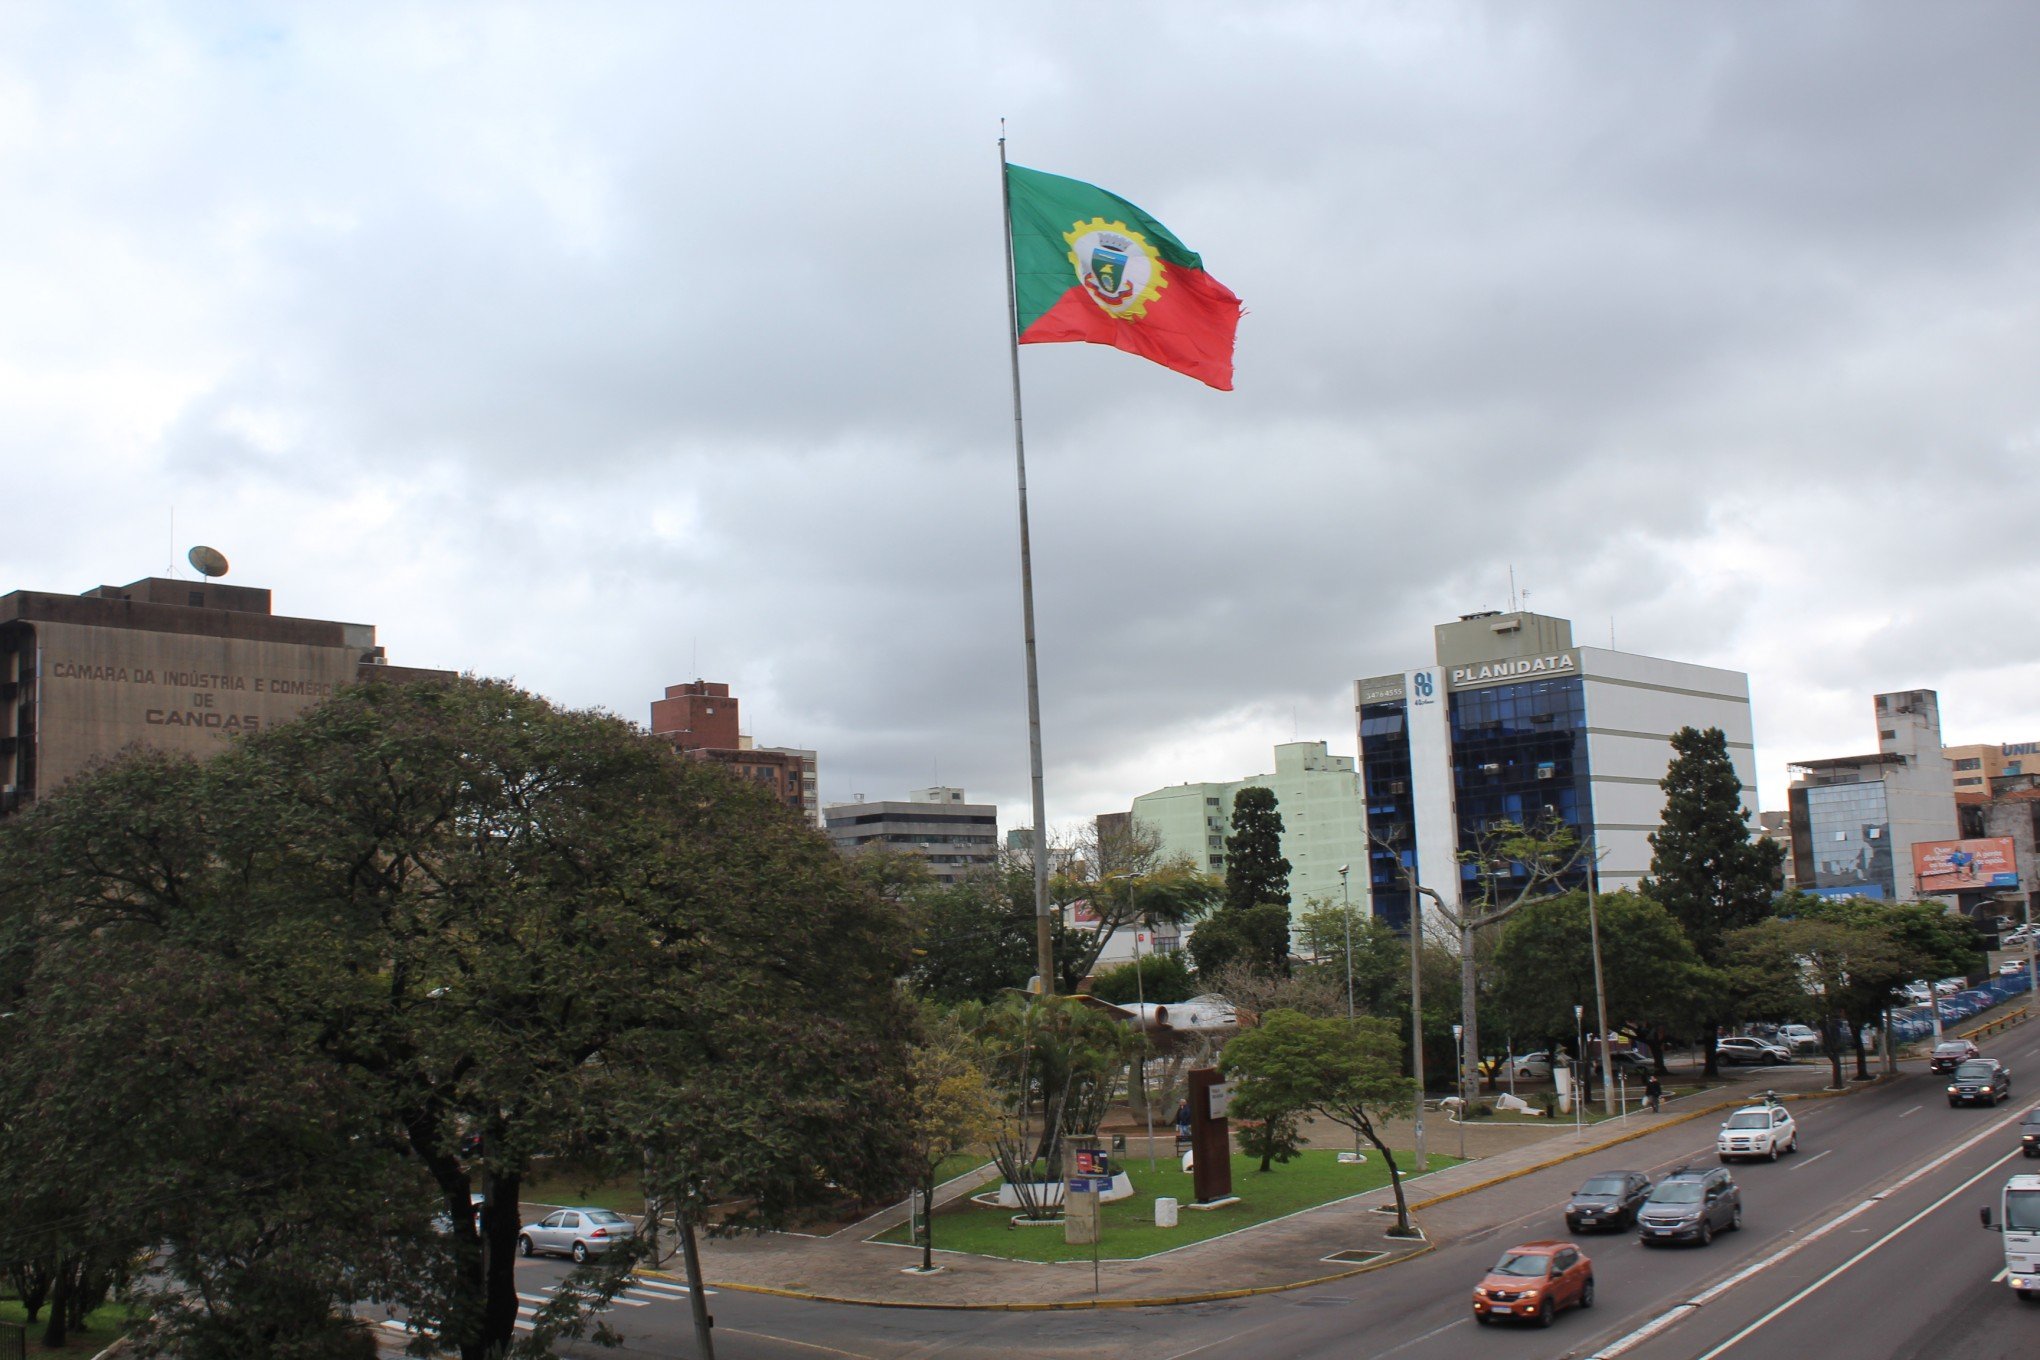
1129	1229
562	1183
102	1325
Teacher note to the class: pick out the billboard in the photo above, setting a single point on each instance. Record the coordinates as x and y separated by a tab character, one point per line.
1965	866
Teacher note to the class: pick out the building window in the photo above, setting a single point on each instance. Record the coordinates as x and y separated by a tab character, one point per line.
1972	763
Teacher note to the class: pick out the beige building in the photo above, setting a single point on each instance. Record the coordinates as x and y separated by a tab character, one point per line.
1975	766
175	665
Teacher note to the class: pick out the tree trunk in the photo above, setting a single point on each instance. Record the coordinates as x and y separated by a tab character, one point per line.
61	1284
32	1282
1402	1204
498	1269
697	1298
928	1222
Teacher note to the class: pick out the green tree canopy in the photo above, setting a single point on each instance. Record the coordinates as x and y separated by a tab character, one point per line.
1814	968
1348	1071
1544	966
470	912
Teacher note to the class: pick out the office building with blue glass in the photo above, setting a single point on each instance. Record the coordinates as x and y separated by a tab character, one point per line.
1513	722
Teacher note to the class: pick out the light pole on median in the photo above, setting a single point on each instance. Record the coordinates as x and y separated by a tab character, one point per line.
1147	1097
1347	897
1459	1069
1417	1004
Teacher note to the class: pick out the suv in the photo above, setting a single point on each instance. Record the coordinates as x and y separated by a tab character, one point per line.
1758	1131
1980	1081
2029	1132
1690	1205
1744	1049
1952	1053
1800	1038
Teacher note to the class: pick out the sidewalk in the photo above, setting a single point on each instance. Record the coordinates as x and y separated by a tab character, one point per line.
1282	1254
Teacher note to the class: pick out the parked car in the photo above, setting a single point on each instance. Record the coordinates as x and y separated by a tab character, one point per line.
1690	1206
1535	1282
1526	1067
1919	993
578	1232
1950	985
2029	1132
2011	967
1980	1081
1798	1038
1607	1199
1950	1054
1744	1049
1634	1066
1757	1131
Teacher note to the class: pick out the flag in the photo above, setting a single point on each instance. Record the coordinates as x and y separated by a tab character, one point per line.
1089	266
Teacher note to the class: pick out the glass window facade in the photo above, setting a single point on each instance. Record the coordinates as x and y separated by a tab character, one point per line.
1385	766
1519	754
1847	840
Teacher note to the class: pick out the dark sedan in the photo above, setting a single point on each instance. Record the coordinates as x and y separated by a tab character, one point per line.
1608	1200
1980	1081
2029	1132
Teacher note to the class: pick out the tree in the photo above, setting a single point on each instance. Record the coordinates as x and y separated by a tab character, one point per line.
1348	1071
473	913
1051	1063
1705	866
1512	863
1820	968
949	1109
1255	872
973	939
1157	978
1256	938
1544	965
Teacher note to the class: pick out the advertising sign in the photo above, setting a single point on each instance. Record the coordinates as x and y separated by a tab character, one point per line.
1092	1162
1965	866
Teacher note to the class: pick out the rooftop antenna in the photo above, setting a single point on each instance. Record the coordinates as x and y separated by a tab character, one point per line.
207	561
1512	587
1611	632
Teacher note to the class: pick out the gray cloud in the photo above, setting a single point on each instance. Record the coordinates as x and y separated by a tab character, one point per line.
615	346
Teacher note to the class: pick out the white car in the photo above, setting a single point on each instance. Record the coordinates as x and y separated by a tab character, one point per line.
2011	968
1527	1067
1919	993
1950	986
1757	1131
579	1232
1800	1038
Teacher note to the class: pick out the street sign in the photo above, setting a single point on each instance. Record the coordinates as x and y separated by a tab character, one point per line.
1081	1186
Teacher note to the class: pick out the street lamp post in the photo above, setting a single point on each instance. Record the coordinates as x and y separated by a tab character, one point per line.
1147	1097
1459	1068
1417	1006
1600	992
1579	1029
1347	897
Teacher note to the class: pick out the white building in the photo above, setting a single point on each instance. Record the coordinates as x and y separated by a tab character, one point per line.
1512	721
1323	827
936	823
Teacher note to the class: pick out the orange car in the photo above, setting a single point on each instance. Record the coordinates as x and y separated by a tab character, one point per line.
1533	1282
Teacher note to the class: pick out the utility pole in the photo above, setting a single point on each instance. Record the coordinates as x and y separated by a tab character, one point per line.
1600	991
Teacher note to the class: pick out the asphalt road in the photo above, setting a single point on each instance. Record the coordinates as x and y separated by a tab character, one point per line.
1865	1244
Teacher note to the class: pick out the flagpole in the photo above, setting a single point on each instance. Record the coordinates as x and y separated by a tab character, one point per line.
1044	951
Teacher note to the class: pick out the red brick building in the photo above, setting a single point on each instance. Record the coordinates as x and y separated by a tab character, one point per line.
700	719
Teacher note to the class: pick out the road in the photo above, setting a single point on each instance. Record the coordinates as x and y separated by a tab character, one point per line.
1865	1244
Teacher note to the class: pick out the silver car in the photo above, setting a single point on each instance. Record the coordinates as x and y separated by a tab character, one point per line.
579	1233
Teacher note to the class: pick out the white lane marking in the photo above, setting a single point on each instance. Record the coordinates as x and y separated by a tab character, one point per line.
1679	1310
1416	1340
1914	1110
1814	1158
1207	1345
534	1298
1860	1256
661	1287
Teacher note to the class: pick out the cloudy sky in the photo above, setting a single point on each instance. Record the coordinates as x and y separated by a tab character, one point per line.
605	346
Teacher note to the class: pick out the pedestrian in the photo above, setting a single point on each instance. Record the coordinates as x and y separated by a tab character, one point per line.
1653	1092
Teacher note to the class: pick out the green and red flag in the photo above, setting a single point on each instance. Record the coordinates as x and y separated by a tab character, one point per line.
1089	266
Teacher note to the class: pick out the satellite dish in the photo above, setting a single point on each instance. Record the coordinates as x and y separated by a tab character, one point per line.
209	561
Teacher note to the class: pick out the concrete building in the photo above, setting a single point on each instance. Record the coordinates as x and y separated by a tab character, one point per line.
1323	826
954	836
700	718
1977	765
175	665
1855	819
1512	721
